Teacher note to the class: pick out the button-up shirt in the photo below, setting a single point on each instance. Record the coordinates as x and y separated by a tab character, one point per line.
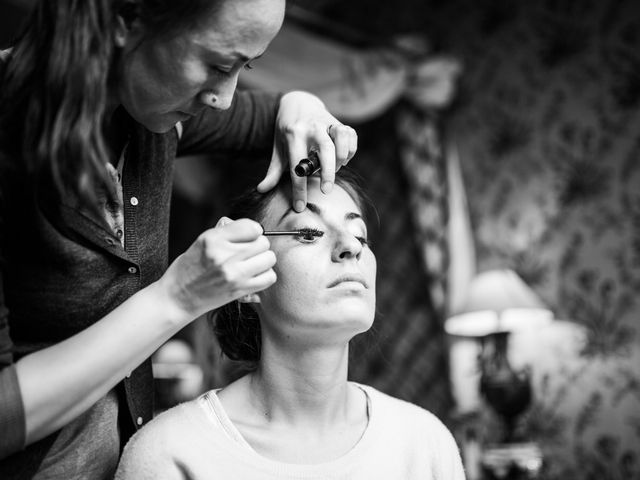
62	267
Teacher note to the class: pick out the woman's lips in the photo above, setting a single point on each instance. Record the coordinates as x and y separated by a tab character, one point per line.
349	278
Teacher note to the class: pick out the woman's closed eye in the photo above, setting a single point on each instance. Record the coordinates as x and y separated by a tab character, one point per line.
309	234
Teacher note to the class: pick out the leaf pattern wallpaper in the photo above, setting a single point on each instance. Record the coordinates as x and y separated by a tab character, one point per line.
548	128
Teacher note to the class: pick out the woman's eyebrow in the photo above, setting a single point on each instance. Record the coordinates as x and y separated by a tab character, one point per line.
315	209
310	206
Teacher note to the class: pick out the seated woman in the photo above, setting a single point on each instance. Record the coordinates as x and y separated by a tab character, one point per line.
296	416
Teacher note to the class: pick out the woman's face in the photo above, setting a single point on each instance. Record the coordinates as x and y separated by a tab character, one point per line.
163	81
325	284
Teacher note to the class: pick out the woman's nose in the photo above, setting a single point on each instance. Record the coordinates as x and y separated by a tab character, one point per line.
347	247
221	96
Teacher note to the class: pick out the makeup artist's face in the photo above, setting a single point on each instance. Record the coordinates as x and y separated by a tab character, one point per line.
162	81
325	284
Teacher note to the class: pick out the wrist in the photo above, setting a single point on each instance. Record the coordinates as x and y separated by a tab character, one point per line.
170	309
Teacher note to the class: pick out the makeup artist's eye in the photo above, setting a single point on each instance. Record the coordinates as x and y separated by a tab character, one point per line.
364	241
248	66
224	71
308	234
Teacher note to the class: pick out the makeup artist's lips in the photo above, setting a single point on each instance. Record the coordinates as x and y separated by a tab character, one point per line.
349	278
185	115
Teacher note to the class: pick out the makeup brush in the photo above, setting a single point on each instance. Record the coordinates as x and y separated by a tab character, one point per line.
303	232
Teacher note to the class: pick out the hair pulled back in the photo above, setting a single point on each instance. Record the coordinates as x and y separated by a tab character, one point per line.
237	325
54	85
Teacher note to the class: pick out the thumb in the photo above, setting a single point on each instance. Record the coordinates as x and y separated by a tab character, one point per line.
274	172
223	221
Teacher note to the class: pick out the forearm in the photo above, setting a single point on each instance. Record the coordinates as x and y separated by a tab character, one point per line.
61	382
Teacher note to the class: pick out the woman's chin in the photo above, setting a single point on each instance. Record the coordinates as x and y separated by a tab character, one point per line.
347	323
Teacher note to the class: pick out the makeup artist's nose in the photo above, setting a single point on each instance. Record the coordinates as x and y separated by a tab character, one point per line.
221	96
347	247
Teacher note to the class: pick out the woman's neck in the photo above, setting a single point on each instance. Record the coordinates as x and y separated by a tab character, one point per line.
303	387
298	407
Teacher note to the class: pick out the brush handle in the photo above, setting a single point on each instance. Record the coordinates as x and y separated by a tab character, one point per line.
283	232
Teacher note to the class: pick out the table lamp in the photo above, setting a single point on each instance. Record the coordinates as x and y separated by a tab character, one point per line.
499	302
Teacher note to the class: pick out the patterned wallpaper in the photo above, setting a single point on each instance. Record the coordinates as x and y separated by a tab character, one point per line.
548	128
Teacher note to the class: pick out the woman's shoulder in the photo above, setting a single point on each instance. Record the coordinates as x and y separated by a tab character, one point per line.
404	414
168	427
386	401
415	430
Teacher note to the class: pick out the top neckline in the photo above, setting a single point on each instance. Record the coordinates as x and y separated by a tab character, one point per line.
216	412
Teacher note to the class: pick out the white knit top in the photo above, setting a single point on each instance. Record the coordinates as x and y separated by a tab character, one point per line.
197	440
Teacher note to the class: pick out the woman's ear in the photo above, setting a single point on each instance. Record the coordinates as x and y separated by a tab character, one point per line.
249	298
126	22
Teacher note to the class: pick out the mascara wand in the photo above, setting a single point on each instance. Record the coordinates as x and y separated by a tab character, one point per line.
306	232
281	232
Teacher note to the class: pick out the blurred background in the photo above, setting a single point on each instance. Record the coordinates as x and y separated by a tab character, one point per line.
494	135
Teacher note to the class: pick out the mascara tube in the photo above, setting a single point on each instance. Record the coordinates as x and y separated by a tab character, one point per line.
308	166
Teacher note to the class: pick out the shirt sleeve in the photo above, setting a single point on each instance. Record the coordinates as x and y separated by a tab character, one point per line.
148	457
247	126
12	421
448	461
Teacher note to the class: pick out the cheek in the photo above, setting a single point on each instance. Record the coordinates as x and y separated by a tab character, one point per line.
155	82
296	282
370	264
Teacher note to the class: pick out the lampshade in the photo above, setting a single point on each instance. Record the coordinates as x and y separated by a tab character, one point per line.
498	301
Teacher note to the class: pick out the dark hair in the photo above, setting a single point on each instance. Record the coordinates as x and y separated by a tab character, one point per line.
237	325
54	86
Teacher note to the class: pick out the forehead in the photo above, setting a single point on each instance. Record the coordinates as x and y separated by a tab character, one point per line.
239	24
336	204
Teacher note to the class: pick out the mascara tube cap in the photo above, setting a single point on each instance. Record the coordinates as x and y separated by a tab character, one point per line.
308	166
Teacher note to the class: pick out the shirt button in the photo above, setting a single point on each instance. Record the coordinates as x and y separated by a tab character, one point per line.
134	201
133	270
139	421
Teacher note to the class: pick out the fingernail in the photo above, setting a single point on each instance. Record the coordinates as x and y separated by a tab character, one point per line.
299	206
327	187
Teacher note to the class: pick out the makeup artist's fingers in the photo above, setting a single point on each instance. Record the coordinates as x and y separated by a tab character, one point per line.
297	149
327	155
243	251
260	282
255	265
278	164
242	230
222	221
353	145
341	136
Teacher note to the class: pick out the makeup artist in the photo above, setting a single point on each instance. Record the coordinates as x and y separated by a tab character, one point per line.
97	97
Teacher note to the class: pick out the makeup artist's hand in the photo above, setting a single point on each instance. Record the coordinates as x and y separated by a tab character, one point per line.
224	263
303	123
